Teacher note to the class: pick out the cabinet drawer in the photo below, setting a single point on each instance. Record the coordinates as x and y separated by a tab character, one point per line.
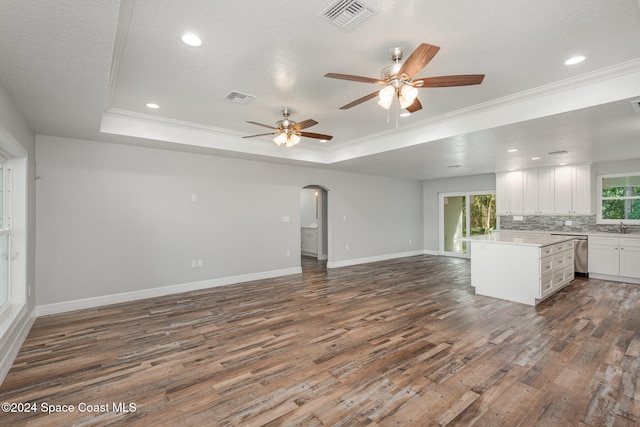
559	247
606	241
559	279
546	286
559	261
546	251
546	266
569	275
569	258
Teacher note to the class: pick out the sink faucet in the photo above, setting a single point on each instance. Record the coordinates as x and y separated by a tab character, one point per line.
622	227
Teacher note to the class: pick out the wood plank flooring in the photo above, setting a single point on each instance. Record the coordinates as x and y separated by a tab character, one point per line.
396	343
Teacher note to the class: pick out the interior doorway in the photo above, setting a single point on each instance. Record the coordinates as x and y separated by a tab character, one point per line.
314	234
465	214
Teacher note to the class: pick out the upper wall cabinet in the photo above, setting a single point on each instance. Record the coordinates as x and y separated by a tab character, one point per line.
573	190
509	193
538	185
564	190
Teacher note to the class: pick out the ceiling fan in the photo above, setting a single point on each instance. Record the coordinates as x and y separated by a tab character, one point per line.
288	132
398	79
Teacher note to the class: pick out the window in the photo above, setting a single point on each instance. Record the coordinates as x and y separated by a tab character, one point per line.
4	239
619	198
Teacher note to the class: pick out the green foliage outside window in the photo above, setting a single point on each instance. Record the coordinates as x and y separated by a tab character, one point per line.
620	198
483	213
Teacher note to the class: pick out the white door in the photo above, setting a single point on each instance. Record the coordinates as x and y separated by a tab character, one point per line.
463	215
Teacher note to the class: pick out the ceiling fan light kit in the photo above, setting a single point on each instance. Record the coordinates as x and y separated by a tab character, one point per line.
399	81
288	133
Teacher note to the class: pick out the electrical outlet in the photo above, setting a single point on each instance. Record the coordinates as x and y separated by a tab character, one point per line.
288	253
346	247
200	263
194	263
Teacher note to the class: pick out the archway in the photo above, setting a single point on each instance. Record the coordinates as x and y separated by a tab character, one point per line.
314	223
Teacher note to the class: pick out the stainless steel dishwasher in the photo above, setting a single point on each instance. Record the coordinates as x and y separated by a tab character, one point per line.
581	253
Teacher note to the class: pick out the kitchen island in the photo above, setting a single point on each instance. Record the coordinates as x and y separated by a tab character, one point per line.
520	267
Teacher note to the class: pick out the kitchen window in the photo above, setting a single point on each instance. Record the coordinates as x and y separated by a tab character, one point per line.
619	198
4	241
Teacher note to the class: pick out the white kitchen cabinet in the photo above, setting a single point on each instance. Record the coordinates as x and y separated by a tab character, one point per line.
538	191
572	190
509	197
614	256
630	257
309	241
604	255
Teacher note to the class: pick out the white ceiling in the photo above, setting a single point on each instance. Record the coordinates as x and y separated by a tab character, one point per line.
86	69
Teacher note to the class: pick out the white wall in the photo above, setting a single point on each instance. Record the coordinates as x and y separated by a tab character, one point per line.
117	219
430	191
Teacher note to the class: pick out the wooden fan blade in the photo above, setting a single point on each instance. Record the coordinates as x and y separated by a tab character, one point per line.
416	106
355	78
316	135
260	134
304	124
260	124
418	59
448	81
359	101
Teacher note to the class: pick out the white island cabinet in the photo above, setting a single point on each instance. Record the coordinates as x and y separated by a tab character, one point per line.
520	267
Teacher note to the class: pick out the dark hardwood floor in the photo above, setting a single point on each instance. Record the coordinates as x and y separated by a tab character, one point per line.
402	342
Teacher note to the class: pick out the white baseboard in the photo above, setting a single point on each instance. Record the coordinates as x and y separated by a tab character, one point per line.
62	307
356	261
611	278
19	334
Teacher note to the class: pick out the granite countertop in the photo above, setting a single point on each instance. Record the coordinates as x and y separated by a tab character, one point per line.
518	238
576	233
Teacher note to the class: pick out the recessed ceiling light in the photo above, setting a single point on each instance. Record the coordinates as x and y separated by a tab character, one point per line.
323	140
575	60
535	158
562	164
191	39
512	150
153	105
405	114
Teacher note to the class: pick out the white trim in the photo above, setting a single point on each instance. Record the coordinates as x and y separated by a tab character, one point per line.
62	307
356	261
612	278
599	87
20	333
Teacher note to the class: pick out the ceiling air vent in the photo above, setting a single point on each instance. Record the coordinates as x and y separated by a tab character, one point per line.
239	97
636	105
556	153
346	14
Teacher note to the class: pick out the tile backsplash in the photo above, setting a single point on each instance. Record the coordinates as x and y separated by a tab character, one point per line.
557	223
